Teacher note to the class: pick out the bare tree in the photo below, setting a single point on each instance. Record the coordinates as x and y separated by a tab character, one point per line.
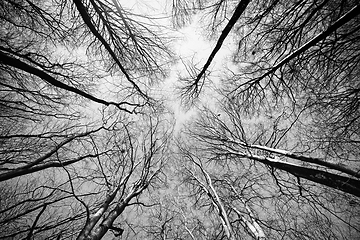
30	43
127	178
301	55
119	166
86	148
288	110
205	184
69	170
254	182
269	42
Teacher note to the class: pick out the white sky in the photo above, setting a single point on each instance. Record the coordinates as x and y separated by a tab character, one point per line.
191	46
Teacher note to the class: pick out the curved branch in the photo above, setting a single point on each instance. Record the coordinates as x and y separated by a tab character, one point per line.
340	22
16	63
30	235
345	184
87	19
32	166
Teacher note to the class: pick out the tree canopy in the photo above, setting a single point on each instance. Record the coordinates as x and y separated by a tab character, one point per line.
93	146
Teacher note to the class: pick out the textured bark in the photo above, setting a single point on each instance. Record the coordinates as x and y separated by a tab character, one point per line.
345	184
99	232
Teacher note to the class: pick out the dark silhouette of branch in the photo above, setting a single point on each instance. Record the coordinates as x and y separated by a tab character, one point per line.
236	15
16	63
332	28
345	184
34	165
87	19
29	236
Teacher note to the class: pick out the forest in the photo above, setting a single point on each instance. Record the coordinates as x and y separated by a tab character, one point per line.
110	130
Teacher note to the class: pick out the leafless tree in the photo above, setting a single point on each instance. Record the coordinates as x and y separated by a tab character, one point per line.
298	54
67	169
288	110
88	195
133	167
237	175
275	36
33	33
86	148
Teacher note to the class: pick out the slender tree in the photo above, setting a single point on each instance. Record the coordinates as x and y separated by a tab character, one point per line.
288	106
86	143
58	151
265	192
301	54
